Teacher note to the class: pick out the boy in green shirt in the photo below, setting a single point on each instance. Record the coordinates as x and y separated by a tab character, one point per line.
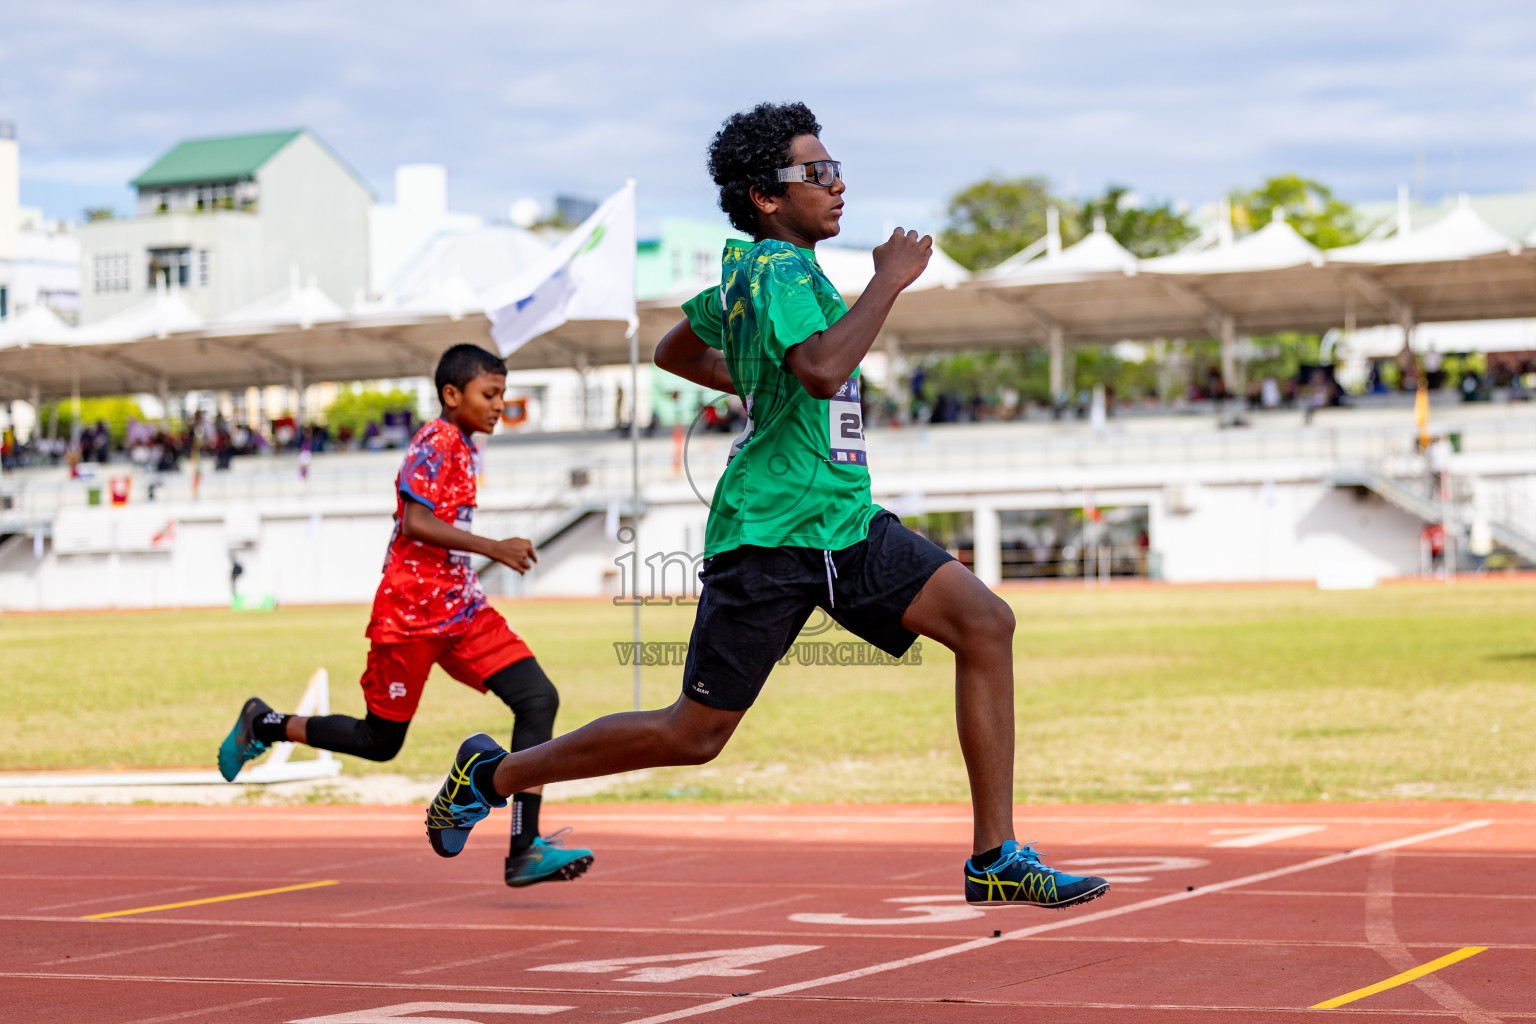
791	525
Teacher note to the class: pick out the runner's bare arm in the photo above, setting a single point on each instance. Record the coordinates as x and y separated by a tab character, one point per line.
824	360
420	524
684	353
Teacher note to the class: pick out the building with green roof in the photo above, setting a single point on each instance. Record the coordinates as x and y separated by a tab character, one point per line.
229	221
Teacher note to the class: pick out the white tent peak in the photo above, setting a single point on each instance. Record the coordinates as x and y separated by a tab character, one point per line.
305	306
850	269
1460	234
1275	246
36	325
166	313
1095	253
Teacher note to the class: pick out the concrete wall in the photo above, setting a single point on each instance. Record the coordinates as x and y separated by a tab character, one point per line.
314	214
236	273
331	550
1289	530
1241	517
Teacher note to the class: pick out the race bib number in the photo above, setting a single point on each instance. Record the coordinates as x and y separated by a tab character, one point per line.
845	424
464	520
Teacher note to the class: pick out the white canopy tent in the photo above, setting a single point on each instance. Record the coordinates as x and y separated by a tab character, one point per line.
1093	292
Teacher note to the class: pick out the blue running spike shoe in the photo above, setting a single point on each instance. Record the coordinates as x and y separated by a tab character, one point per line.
241	745
1019	877
460	803
547	860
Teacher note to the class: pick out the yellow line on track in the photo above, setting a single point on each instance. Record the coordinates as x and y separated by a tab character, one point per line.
1411	974
210	899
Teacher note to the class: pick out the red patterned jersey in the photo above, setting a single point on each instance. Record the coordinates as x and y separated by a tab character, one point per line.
428	591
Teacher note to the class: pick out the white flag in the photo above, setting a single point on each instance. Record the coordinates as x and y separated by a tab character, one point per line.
590	275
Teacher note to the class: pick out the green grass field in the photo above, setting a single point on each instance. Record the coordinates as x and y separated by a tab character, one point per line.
1135	694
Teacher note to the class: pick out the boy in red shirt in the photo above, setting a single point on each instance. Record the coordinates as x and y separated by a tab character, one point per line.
429	609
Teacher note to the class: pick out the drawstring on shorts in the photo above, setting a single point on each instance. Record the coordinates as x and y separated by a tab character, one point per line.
831	575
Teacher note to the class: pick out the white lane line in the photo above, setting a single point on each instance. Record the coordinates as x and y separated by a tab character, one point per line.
1381	933
407	906
1290	1011
1246	837
125	897
1102	819
1070	922
521	951
742	910
135	949
388	986
163	1018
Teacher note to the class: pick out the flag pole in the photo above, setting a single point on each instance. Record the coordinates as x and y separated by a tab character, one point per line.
634	471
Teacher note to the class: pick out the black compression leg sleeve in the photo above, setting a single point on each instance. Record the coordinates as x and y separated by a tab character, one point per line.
377	739
524	688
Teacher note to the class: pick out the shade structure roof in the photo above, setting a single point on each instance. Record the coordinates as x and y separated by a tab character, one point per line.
1276	246
302	306
1269	281
1096	253
1458	235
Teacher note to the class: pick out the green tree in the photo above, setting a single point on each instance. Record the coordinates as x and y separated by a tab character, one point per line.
116	410
355	410
1310	206
95	213
1146	231
1028	371
991	220
1281	355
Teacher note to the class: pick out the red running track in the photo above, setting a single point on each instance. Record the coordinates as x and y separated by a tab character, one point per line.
740	915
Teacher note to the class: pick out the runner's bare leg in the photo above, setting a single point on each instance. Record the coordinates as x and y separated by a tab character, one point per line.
960	612
685	733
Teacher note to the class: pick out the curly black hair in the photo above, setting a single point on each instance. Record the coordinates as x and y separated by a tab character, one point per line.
749	147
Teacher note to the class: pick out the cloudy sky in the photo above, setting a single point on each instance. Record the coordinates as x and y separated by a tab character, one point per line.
1179	100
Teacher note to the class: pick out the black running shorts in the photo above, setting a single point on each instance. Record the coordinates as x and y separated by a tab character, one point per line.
754	602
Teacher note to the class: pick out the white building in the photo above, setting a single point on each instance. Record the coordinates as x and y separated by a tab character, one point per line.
39	258
10	192
399	231
228	221
45	270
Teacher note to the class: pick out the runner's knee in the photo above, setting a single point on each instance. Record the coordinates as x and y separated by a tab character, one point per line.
998	619
700	747
523	687
697	739
986	622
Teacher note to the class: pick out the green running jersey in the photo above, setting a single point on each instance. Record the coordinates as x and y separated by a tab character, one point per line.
798	476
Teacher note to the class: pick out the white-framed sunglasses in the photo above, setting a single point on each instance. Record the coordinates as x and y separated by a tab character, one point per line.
817	172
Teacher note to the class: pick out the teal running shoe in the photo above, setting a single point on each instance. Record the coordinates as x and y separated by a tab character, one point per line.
1019	877
547	860
460	803
241	745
